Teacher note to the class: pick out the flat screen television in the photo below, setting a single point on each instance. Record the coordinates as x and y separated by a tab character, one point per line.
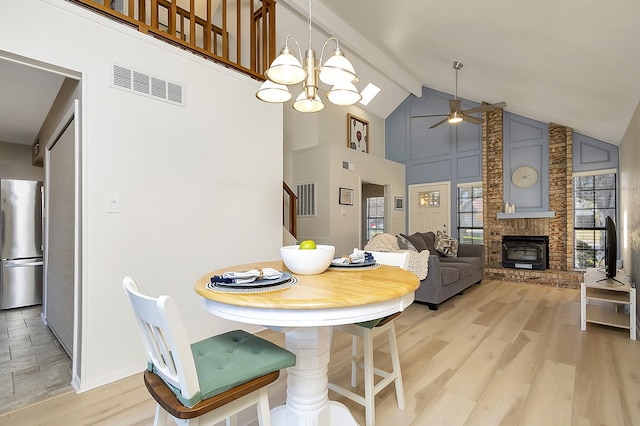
610	248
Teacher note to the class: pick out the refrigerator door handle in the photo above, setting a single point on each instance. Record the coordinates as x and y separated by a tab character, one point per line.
21	263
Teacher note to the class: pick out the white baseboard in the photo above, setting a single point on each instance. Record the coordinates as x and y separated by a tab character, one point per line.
82	386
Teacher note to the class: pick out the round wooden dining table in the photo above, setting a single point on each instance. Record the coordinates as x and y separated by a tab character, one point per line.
305	312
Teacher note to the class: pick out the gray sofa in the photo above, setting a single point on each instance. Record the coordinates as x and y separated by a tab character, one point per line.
447	276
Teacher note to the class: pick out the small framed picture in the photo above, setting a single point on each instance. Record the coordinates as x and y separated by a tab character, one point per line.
346	196
398	202
357	133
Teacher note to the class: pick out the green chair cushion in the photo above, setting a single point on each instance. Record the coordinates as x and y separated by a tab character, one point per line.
230	359
369	324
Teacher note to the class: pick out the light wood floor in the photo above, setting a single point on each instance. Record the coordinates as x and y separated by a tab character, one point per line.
501	354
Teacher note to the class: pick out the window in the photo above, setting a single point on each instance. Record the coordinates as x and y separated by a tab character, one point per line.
375	216
470	210
594	198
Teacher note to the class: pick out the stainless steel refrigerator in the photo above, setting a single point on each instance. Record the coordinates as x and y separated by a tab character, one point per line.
21	249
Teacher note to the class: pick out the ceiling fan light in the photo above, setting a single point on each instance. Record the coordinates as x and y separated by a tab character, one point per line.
286	69
305	104
273	92
338	69
454	117
344	94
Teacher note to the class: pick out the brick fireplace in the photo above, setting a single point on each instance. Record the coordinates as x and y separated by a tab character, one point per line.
559	228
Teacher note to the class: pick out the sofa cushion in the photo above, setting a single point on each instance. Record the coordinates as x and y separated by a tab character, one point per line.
475	262
464	269
417	241
446	245
430	239
448	275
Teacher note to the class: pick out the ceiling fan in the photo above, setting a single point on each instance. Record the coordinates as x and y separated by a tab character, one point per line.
456	114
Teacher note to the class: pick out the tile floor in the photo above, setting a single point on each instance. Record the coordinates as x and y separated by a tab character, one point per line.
33	365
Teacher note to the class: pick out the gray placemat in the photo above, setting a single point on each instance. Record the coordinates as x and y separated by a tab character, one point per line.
353	268
227	289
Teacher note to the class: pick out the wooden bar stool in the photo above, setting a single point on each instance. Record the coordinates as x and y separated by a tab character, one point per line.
367	331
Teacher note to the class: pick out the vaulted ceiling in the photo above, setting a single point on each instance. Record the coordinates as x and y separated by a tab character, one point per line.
571	62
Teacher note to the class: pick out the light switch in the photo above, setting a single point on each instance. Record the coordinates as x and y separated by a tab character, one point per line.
114	205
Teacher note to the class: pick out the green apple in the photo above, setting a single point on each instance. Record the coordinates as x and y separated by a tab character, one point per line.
308	245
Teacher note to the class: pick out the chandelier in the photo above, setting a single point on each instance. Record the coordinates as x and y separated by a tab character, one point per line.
287	70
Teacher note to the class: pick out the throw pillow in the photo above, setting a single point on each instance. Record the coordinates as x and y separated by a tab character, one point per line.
382	242
430	240
417	241
405	244
446	245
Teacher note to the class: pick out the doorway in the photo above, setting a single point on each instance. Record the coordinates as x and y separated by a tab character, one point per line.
373	211
430	207
64	87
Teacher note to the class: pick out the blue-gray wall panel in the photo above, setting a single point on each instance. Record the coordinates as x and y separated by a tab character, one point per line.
531	198
469	169
526	143
396	128
468	137
429	143
591	154
434	171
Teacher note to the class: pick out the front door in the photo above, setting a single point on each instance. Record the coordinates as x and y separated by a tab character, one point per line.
429	207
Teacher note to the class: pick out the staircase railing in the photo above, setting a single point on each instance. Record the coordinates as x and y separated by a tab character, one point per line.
289	205
219	30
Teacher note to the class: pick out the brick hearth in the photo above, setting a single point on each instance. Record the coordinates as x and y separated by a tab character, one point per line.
559	228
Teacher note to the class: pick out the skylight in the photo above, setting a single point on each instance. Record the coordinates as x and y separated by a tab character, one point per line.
369	93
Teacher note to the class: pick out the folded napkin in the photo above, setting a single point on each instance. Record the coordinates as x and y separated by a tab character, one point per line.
247	276
355	257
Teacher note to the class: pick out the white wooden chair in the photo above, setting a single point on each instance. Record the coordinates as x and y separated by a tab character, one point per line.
208	381
367	332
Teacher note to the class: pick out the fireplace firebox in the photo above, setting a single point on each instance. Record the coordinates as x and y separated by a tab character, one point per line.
525	252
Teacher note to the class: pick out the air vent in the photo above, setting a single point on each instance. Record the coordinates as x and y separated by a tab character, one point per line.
306	193
348	166
144	84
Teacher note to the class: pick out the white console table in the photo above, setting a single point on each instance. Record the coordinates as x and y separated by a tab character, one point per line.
607	301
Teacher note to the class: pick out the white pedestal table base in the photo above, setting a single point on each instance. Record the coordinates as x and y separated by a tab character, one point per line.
307	393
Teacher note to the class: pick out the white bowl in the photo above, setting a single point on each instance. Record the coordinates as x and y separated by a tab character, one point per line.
307	262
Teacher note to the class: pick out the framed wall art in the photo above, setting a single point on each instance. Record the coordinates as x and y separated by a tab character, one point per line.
346	196
357	133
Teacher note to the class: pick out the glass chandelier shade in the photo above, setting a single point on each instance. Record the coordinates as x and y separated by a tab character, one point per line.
344	94
305	104
338	69
288	70
273	92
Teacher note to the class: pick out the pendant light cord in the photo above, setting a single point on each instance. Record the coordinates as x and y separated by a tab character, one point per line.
309	22
457	83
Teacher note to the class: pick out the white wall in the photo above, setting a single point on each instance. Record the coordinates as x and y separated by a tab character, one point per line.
15	162
199	186
337	224
629	229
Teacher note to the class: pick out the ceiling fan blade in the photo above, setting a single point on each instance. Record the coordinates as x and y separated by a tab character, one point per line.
484	108
432	115
455	105
439	122
471	119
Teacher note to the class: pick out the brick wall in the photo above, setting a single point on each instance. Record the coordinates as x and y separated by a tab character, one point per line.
559	228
